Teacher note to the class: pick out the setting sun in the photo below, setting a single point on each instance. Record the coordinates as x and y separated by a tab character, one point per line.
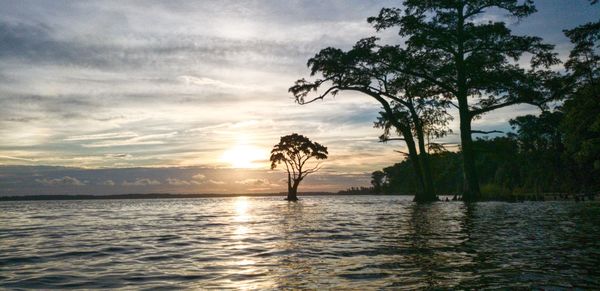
244	156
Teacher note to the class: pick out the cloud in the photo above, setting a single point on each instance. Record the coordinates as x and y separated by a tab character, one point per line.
178	182
16	158
202	179
101	136
213	182
141	182
85	90
43	44
253	182
64	181
108	183
256	182
119	156
204	81
27	180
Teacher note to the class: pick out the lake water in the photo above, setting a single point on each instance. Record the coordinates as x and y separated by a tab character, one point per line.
347	242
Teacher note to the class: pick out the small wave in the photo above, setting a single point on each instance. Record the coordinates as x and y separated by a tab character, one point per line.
365	242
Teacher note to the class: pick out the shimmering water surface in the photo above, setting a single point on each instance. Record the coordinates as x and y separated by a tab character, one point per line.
345	242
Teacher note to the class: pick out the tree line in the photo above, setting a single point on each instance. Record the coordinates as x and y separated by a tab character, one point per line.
450	58
537	158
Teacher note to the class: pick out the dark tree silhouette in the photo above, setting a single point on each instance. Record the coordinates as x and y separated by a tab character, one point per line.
466	59
294	151
584	60
581	123
410	106
377	180
556	151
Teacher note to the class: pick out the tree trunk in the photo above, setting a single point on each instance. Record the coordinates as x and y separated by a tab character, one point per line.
289	184
293	191
406	131
412	153
428	187
471	179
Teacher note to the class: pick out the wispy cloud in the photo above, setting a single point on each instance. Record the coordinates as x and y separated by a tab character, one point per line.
141	182
257	182
64	181
178	182
108	183
102	136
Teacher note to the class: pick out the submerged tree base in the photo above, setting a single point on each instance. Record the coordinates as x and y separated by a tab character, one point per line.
426	199
292	199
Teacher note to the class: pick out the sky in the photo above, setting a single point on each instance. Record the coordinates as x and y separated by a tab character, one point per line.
107	97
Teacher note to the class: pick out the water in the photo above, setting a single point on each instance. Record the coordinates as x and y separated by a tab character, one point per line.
357	242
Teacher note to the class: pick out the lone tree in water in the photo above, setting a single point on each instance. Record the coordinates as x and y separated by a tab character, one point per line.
294	151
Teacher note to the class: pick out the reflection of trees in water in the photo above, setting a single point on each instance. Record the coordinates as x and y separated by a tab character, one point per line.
523	245
436	233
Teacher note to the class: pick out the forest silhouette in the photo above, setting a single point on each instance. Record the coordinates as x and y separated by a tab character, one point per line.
449	59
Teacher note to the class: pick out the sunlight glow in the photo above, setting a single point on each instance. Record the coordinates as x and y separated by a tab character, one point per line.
243	155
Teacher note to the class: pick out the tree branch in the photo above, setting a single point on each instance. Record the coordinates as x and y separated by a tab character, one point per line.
406	154
393	138
320	97
475	112
426	77
486	132
316	168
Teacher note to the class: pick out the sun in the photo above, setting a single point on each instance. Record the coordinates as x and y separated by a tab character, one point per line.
243	156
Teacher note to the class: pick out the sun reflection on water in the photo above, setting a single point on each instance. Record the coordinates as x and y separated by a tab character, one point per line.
241	216
241	206
244	234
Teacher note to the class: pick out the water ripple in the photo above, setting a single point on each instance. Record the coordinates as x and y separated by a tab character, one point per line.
356	242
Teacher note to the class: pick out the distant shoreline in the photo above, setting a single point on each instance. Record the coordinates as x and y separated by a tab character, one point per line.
161	196
513	198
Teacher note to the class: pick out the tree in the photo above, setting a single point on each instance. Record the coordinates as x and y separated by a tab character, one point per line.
378	181
425	119
584	60
449	47
399	119
581	122
294	151
405	101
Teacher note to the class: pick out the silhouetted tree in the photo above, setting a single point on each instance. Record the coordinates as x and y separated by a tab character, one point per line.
294	151
401	122
449	47
406	102
377	180
581	122
428	120
584	60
